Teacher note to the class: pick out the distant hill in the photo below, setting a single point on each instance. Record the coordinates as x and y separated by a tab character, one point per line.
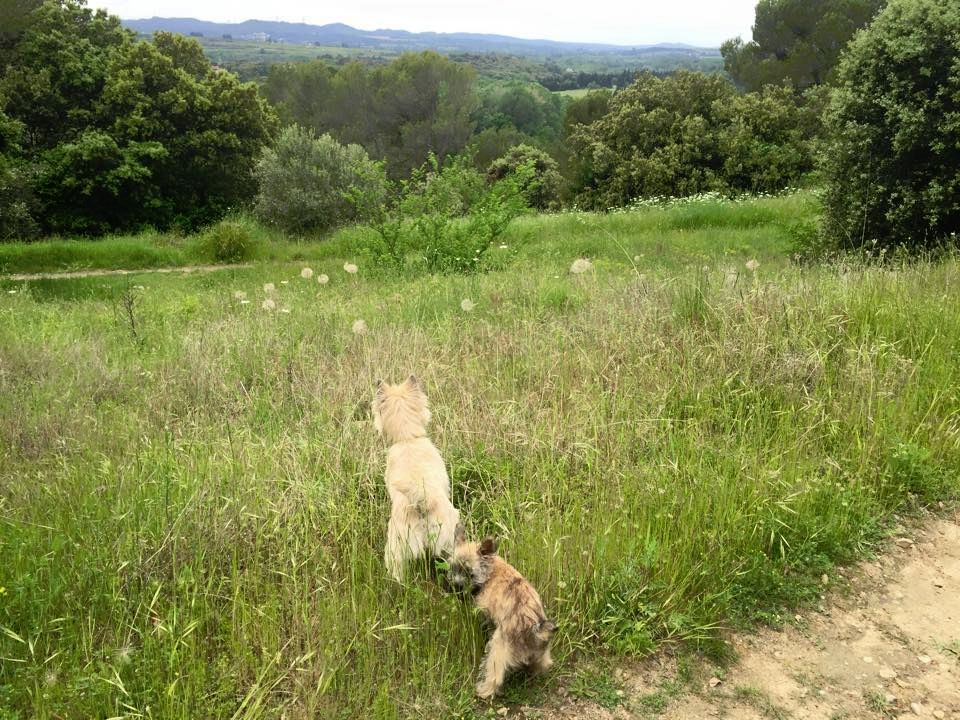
340	35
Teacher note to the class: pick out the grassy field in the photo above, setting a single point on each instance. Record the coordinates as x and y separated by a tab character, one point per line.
192	509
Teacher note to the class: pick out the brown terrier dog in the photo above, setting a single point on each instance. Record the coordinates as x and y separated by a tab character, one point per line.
523	631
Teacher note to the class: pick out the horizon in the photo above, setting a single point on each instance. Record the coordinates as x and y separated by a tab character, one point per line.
699	23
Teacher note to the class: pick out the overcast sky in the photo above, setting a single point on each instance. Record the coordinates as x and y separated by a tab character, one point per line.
697	22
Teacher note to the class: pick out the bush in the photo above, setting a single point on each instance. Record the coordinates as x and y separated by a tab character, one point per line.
893	127
690	133
307	184
228	241
442	220
542	185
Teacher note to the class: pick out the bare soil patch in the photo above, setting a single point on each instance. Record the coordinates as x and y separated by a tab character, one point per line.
884	644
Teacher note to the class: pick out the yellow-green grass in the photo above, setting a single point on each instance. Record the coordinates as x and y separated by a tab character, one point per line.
192	509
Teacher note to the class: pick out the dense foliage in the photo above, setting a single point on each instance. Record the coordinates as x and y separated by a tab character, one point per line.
796	41
401	112
541	180
306	183
687	134
117	133
893	162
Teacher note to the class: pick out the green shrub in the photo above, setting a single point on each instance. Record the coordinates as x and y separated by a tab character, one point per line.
891	164
228	241
690	133
442	220
310	184
541	187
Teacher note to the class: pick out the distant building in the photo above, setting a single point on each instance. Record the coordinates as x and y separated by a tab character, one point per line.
196	34
257	36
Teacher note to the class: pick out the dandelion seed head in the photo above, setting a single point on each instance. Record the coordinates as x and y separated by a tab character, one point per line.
350	268
268	304
50	678
269	288
306	273
239	295
123	655
467	304
359	327
323	279
580	265
752	265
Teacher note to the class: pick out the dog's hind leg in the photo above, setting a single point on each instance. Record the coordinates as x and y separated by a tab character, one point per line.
406	536
495	666
541	663
394	554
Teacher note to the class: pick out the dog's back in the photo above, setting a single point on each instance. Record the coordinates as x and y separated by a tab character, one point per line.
515	607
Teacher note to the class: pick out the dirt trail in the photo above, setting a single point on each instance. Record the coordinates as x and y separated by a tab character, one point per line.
140	271
885	646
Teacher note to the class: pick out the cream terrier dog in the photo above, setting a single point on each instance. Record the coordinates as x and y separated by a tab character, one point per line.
422	518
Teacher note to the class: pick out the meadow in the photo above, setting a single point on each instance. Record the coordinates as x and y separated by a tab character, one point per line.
679	440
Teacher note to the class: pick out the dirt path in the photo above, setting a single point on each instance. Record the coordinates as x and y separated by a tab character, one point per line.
141	271
885	646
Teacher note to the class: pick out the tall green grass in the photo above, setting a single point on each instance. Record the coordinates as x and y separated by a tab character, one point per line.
704	227
192	509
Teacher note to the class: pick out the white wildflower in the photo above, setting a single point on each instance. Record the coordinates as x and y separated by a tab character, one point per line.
284	282
752	265
268	304
244	302
359	327
503	247
580	265
285	309
323	279
350	268
306	273
269	288
467	304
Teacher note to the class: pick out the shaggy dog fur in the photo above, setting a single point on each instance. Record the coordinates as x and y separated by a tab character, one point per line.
422	519
522	630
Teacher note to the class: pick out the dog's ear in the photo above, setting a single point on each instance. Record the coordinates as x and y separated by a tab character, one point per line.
412	382
488	546
459	534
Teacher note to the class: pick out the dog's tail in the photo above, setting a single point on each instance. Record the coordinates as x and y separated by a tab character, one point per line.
544	630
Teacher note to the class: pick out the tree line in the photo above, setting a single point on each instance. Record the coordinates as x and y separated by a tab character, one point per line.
101	132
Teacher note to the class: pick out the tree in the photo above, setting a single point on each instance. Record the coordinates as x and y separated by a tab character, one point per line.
892	164
119	133
400	112
308	184
17	204
57	68
796	41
